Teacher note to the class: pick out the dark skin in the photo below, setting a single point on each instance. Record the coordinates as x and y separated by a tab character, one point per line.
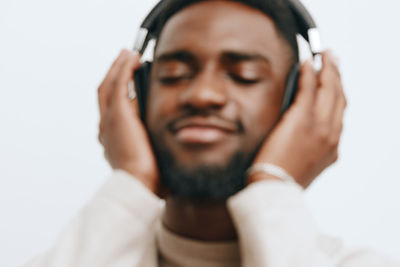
236	76
239	78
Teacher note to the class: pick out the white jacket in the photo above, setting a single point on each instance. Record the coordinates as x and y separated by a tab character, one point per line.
120	227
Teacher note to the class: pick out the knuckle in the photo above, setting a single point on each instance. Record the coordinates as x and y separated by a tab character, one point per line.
101	126
339	91
333	143
323	135
327	138
335	156
101	88
345	102
100	135
100	138
339	128
106	156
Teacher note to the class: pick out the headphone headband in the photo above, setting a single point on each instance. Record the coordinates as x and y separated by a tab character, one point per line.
148	27
148	30
307	27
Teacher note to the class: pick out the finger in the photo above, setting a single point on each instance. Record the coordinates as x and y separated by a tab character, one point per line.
329	88
341	101
124	76
101	131
330	63
106	86
339	113
100	138
307	85
133	96
135	105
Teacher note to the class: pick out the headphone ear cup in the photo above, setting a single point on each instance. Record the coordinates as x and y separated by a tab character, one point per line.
142	82
291	87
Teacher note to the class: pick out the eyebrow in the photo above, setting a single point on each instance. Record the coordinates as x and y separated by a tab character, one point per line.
230	57
180	55
237	57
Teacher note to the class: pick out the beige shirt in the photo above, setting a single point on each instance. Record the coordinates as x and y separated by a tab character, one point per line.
194	253
120	227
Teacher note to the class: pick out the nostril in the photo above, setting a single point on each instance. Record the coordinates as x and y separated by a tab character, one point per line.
204	96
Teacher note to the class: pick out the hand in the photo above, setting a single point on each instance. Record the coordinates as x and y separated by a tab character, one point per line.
122	133
305	141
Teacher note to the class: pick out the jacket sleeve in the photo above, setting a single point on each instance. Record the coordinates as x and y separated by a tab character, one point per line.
116	228
276	230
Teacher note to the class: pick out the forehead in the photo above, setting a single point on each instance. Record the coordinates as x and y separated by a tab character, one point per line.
209	27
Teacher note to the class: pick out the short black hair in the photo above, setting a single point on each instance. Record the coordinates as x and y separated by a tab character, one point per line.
278	10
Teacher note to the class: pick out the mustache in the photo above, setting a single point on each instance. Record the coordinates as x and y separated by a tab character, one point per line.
205	113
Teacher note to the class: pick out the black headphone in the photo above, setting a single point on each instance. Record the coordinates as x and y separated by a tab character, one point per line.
306	27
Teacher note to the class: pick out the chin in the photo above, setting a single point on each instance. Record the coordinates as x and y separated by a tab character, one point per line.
213	171
202	159
203	175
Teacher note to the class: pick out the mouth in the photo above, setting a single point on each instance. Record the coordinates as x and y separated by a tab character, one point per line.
202	130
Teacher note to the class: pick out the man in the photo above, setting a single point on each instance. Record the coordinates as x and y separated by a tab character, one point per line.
213	111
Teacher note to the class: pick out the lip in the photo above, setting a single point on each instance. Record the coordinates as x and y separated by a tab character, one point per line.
200	130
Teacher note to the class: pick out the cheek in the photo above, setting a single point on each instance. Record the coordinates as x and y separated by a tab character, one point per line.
260	110
161	104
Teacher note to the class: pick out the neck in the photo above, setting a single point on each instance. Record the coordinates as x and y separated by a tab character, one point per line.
200	220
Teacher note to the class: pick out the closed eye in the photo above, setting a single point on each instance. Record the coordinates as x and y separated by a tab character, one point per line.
245	81
174	79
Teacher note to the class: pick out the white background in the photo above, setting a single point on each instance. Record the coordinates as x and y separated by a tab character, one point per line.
53	54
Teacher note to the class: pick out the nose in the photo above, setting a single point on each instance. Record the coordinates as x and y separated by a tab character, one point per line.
206	91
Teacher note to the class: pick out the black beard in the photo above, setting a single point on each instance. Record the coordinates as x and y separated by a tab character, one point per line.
205	182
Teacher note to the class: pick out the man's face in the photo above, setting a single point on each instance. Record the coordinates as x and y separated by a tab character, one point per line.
217	85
